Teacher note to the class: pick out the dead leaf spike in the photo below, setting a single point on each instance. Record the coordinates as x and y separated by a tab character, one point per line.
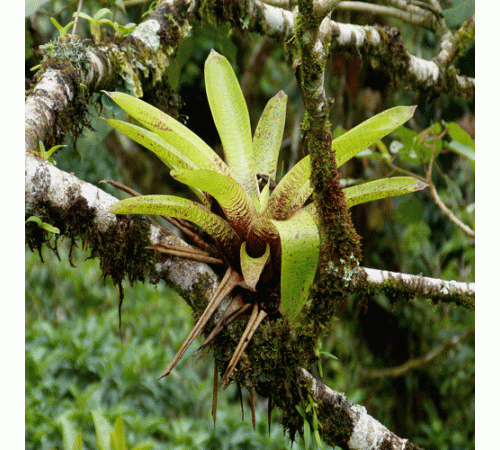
255	319
229	282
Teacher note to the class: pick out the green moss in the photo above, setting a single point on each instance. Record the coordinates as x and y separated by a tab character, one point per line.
70	58
72	52
337	428
120	248
464	37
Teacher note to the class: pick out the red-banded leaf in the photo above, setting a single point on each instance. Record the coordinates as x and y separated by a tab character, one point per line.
234	201
278	205
171	131
230	114
168	205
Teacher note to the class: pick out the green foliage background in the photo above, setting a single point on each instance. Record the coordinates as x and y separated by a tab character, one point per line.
76	362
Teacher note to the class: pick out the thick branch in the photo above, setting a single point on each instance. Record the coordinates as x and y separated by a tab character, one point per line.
384	48
80	210
358	429
59	98
48	106
399	286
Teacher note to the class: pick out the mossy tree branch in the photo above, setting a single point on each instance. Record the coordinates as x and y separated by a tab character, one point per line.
401	287
349	425
340	246
73	70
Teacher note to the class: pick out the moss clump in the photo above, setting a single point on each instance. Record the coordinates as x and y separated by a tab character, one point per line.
120	248
70	59
270	365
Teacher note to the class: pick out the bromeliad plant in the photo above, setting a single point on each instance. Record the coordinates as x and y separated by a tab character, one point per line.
268	239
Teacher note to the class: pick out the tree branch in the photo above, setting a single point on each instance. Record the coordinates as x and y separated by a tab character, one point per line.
60	97
80	210
419	363
358	429
400	286
58	100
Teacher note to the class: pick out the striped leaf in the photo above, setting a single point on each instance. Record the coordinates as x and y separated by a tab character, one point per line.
230	114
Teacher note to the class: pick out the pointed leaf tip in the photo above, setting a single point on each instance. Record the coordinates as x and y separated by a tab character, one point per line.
382	188
370	131
269	134
230	114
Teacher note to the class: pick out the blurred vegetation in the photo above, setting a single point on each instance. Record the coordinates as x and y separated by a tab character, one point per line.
76	363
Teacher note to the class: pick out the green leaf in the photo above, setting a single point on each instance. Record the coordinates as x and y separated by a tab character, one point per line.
463	150
299	238
46	226
317	438
102	429
169	155
269	134
280	201
233	200
307	435
231	118
300	197
69	433
295	188
251	268
101	13
171	131
385	187
78	444
169	205
47	154
370	131
462	143
117	437
62	30
328	355
301	411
